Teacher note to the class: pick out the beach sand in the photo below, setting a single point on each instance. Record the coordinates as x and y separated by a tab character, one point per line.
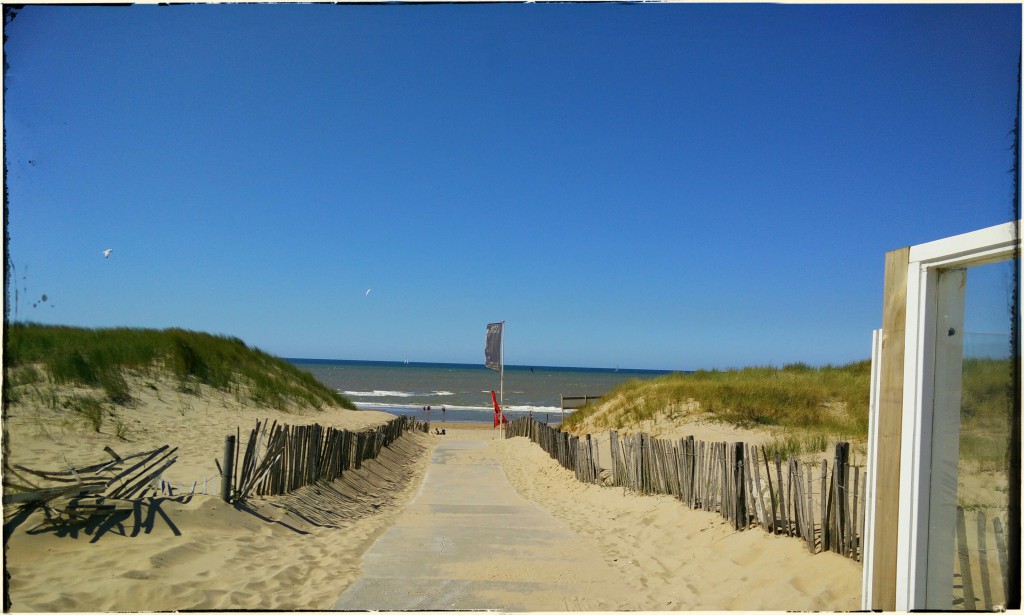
681	559
196	552
303	550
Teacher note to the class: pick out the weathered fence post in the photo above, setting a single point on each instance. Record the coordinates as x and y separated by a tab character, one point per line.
740	518
965	564
229	468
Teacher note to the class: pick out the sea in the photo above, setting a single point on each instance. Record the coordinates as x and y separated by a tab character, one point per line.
461	393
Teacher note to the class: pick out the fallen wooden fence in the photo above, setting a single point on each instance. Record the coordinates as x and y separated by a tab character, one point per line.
76	494
279	459
737	480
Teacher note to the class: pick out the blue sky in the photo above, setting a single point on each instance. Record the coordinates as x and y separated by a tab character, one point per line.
649	186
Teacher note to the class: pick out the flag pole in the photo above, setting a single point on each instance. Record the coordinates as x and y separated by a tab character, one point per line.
501	385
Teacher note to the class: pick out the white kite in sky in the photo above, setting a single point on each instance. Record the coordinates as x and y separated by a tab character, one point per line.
106	253
367	292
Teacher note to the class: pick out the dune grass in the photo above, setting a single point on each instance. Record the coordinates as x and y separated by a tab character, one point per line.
808	408
812	406
101	358
986	409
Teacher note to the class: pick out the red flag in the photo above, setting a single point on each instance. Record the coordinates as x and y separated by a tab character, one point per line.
498	416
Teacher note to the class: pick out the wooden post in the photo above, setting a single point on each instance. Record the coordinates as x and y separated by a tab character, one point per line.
885	497
740	486
1001	552
810	507
986	587
771	492
613	443
753	497
229	469
796	513
965	562
690	473
824	506
783	500
839	476
854	534
723	489
762	511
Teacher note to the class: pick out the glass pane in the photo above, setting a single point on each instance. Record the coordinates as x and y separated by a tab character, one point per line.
982	523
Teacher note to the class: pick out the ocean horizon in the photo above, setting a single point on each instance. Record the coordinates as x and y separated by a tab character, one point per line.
461	392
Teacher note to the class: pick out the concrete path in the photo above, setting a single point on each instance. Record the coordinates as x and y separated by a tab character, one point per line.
469	541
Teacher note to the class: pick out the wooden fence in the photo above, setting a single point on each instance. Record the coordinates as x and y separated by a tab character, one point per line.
571	452
281	458
736	480
981	563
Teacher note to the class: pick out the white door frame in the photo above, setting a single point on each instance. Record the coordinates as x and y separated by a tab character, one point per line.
934	342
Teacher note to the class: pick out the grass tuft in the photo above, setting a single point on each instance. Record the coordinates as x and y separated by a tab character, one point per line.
89	408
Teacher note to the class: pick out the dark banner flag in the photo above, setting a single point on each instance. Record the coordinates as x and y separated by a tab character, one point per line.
492	352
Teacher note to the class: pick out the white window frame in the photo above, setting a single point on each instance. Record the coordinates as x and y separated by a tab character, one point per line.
935	303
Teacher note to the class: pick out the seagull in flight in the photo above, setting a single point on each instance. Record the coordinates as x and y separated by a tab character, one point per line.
106	253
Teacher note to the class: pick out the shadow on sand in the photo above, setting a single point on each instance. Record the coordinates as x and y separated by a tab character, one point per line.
142	518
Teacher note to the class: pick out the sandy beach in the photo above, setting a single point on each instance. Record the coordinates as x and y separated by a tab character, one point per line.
196	552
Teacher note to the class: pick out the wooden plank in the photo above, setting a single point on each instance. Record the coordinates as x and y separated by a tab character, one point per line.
714	469
574	402
53	493
613	444
71	474
824	506
809	468
847	492
147	459
986	585
885	499
142	482
238	445
966	581
250	453
796	513
664	476
742	517
752	492
854	543
997	528
692	473
723	480
863	516
763	513
783	500
830	506
837	499
709	477
771	493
